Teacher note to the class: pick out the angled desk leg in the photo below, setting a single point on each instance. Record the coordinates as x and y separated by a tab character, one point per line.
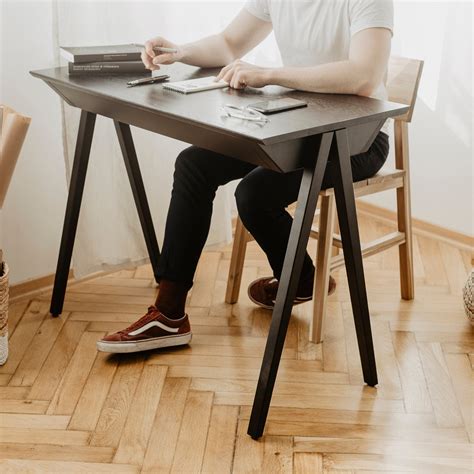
136	182
73	207
346	210
300	229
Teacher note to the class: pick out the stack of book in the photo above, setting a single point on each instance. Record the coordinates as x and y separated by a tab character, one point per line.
111	59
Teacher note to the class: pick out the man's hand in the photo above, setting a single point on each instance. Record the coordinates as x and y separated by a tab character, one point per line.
151	58
240	74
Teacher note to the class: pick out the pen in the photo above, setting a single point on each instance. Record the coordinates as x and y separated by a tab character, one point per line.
161	49
148	80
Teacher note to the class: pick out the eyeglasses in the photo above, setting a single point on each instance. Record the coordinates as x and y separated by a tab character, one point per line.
244	113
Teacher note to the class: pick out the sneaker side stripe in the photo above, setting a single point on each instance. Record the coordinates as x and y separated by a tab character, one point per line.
150	325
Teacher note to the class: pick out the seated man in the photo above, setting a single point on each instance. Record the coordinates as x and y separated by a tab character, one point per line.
328	46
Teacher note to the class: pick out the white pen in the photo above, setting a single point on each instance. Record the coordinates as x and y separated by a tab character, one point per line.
161	49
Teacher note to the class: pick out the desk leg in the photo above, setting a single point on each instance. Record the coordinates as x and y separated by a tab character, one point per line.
76	188
136	182
300	229
346	210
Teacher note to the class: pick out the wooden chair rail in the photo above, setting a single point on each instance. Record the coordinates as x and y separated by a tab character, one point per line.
371	248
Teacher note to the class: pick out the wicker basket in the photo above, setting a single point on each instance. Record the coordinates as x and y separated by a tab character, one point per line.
468	296
4	315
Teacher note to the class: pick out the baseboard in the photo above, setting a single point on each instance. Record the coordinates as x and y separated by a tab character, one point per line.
34	286
458	239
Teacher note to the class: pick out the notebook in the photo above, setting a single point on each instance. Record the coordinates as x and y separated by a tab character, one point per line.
195	85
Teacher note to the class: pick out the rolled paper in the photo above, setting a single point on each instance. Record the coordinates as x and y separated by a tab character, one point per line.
14	128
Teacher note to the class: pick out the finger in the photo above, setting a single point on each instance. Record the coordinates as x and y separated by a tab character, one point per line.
149	48
146	60
228	76
165	58
235	82
241	81
223	72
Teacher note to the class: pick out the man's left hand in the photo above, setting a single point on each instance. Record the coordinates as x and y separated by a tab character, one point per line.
240	74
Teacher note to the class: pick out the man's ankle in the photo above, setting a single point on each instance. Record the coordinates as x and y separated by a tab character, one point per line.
171	298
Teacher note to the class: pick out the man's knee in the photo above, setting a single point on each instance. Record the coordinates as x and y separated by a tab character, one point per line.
246	198
189	158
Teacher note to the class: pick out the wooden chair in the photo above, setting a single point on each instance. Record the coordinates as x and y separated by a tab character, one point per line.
402	84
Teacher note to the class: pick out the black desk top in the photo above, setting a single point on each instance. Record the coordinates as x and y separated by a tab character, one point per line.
325	112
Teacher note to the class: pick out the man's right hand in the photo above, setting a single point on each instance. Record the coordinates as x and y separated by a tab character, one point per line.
151	58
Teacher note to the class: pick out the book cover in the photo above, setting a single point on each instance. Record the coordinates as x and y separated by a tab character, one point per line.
106	67
106	53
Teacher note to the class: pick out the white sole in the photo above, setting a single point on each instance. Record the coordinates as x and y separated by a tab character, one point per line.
145	345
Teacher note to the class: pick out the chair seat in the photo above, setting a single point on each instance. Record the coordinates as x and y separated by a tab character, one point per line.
383	180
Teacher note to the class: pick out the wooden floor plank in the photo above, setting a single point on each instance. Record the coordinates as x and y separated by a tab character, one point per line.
53	369
60	467
334	347
269	454
398	447
165	430
369	462
117	404
56	452
69	390
459	369
24	406
192	437
38	351
249	454
33	421
220	440
454	266
15	312
343	430
445	405
137	429
416	396
24	333
89	406
304	463
44	436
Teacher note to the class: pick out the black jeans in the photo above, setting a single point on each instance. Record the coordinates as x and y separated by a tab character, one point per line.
261	196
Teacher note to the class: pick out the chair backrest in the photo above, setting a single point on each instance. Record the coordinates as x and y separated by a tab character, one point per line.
402	83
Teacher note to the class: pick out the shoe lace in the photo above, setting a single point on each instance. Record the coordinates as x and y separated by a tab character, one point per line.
142	320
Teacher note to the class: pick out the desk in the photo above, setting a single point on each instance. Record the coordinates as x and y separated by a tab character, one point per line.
326	133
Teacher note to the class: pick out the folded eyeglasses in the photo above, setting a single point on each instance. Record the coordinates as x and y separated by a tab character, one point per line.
244	113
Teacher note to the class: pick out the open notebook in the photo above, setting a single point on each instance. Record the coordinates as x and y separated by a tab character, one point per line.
195	85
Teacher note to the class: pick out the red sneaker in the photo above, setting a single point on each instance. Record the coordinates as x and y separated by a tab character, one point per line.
264	290
152	331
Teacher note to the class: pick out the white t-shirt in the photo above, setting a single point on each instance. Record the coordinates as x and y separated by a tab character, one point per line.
312	32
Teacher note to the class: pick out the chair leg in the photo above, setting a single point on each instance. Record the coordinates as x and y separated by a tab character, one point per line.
236	263
407	280
323	266
336	250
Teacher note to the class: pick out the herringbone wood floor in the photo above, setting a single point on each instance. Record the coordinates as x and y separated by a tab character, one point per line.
67	408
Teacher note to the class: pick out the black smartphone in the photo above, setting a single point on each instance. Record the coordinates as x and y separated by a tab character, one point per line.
277	105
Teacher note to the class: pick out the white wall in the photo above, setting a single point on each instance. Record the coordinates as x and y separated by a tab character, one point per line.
34	207
441	135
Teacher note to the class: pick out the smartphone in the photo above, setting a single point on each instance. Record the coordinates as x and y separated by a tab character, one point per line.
277	105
